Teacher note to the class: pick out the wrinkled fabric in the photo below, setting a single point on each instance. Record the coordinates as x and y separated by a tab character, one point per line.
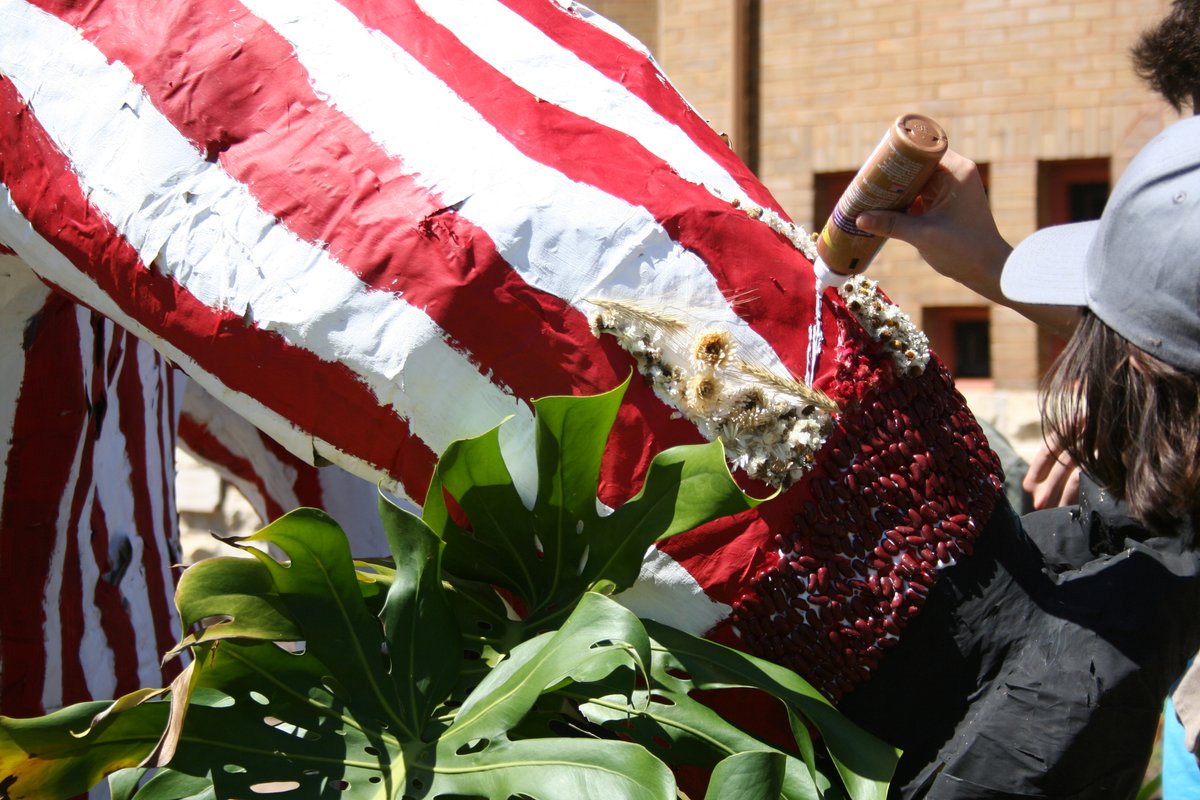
1057	643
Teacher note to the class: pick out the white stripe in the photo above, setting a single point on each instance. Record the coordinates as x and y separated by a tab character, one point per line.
112	487
666	592
154	377
552	73
568	239
197	224
93	651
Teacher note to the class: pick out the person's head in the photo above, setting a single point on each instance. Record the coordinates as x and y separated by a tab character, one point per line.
1124	397
1168	55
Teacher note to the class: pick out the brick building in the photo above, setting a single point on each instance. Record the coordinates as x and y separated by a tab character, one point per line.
1040	93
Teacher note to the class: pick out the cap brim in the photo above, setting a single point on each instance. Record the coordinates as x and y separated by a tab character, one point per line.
1048	267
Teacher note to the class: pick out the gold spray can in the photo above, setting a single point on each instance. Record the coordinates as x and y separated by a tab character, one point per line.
890	179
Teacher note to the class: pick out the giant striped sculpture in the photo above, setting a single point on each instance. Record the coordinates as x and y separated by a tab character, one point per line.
373	228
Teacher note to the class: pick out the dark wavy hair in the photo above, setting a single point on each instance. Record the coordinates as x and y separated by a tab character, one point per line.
1131	421
1167	56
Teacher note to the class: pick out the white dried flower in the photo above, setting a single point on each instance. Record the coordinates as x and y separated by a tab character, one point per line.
703	393
712	349
885	322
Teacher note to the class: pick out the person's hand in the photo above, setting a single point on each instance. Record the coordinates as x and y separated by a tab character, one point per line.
1052	479
952	227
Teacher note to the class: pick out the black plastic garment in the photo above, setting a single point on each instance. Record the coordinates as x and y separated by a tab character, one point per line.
1039	666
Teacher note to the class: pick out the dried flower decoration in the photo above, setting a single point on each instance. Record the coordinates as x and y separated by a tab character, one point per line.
795	234
886	323
815	397
703	393
771	425
712	348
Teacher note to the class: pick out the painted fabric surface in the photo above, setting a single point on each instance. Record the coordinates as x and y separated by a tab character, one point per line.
88	538
373	228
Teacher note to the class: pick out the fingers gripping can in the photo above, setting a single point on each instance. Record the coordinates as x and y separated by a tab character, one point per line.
890	179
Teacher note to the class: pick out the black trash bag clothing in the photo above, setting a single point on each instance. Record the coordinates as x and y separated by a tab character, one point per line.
1038	667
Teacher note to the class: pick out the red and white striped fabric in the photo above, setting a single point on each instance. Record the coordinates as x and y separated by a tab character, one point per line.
272	479
87	522
372	228
88	526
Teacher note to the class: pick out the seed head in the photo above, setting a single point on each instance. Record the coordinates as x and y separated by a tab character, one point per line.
712	348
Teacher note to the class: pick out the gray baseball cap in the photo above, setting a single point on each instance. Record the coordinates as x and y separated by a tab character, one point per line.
1137	267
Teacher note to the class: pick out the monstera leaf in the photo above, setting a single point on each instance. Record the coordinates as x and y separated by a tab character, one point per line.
316	676
547	555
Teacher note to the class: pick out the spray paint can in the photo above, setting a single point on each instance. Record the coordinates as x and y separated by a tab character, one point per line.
890	179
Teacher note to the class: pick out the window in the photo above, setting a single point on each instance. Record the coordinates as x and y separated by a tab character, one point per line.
961	336
827	188
1068	191
1072	191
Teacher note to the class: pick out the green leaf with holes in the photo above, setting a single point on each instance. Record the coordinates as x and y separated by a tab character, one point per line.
546	556
315	676
66	753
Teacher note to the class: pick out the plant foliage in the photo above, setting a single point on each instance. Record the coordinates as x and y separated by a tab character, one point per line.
321	677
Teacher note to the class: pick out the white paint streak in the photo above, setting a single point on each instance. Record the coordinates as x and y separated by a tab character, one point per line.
824	278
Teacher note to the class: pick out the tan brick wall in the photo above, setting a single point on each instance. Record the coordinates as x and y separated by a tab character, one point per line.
697	48
639	17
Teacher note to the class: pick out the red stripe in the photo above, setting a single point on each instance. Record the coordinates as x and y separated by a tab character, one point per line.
50	418
70	598
776	279
632	70
317	396
134	397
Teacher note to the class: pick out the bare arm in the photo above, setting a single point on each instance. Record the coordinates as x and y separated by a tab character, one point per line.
952	228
